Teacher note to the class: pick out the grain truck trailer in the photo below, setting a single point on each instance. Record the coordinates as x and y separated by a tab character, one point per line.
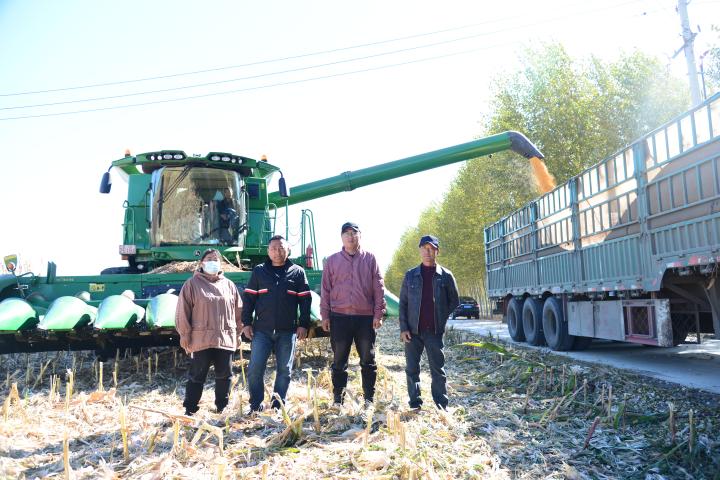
628	250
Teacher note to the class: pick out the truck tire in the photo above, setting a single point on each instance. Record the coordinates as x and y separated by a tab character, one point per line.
555	327
514	320
532	321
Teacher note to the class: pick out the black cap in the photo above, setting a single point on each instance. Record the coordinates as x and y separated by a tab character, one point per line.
349	225
431	239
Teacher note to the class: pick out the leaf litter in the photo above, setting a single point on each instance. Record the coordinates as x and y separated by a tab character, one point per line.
513	413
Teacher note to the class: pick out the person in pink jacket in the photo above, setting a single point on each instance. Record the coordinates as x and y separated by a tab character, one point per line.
352	305
209	321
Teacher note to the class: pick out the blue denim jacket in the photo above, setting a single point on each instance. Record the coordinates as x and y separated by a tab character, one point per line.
445	296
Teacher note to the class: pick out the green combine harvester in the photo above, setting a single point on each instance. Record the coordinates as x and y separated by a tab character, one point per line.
178	206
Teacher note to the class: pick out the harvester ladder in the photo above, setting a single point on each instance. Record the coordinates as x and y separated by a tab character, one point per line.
307	233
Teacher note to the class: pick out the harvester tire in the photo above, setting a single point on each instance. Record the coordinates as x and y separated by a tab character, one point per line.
514	320
532	321
115	271
555	327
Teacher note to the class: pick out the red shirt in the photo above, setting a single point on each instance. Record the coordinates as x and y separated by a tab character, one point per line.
427	304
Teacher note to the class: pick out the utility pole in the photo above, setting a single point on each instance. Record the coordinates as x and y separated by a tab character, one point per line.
688	38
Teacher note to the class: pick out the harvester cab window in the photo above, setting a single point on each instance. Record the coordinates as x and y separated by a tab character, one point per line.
198	206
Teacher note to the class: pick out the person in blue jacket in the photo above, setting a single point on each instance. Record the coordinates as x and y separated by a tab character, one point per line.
272	297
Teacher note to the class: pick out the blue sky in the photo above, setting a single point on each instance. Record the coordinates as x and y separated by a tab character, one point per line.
371	104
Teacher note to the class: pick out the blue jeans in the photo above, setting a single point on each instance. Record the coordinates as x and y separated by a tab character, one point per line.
433	344
263	343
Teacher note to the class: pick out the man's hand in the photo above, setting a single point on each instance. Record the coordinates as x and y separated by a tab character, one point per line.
325	324
406	336
377	323
301	333
248	331
185	344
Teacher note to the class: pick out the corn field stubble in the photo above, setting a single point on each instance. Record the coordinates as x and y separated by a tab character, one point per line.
513	414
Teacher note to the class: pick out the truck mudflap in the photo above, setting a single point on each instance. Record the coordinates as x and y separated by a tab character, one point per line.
637	321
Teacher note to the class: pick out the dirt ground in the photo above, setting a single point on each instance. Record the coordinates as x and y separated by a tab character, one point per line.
513	414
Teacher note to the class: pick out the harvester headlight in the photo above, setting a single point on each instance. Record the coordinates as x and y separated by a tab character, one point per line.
215	158
178	156
225	159
167	156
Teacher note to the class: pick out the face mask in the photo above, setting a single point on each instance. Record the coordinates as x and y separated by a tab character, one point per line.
211	266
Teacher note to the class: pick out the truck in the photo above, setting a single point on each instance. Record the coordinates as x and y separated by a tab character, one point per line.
177	206
628	250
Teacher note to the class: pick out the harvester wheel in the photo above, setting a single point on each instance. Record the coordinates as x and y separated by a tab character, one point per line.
532	321
514	320
115	271
555	327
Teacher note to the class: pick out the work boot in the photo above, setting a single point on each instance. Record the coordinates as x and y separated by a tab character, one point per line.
222	394
256	409
339	397
193	393
276	405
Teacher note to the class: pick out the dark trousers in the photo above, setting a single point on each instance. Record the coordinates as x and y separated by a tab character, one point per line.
344	330
199	366
433	345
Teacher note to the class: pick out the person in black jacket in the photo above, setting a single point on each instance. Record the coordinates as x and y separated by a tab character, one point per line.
274	292
427	296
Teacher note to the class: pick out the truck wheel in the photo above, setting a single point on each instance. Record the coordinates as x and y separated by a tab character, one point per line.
532	321
555	327
514	320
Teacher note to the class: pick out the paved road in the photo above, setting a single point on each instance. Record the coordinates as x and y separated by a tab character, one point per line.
692	365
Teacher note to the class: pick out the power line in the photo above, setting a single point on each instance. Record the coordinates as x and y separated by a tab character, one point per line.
230	67
294	57
281	72
227	92
259	87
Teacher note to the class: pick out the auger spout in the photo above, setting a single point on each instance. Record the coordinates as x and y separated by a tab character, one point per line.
351	180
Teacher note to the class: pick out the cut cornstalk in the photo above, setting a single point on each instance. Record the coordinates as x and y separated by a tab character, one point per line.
66	457
100	378
124	433
242	363
309	382
691	435
43	368
671	421
316	409
176	435
69	389
591	431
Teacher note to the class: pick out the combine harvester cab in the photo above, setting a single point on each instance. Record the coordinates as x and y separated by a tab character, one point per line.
178	206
